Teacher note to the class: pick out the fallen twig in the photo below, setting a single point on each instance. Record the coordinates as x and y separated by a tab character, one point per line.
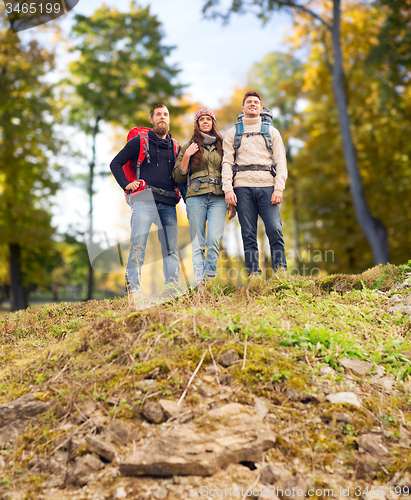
148	396
215	366
250	488
192	377
245	352
62	371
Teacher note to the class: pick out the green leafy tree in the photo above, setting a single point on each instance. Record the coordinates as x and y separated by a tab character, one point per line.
324	18
27	146
120	73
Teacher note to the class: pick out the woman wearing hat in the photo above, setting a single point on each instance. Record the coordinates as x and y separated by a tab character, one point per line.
199	164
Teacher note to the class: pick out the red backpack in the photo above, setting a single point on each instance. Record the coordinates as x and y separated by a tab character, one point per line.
132	168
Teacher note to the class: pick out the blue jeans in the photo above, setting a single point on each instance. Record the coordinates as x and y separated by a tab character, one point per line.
202	208
143	215
252	202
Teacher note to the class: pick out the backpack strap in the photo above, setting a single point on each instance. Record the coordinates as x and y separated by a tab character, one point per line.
176	149
144	185
163	192
143	153
239	131
202	180
266	121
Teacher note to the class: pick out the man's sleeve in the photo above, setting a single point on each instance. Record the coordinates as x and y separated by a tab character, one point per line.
129	152
228	160
279	159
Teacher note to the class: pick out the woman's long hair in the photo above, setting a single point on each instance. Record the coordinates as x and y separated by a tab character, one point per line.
199	139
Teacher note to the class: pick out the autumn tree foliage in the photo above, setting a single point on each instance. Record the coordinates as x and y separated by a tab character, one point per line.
324	19
322	213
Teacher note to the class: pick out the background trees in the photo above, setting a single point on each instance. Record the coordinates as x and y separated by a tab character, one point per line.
323	18
119	74
119	69
378	130
28	146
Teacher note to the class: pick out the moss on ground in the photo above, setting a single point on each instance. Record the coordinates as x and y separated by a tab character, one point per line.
283	330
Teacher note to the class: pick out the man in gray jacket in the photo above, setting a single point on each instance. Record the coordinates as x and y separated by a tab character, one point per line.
254	174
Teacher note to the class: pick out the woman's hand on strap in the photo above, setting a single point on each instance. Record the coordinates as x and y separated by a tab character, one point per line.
188	153
192	149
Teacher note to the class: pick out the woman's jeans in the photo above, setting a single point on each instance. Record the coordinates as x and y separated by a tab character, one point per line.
252	202
202	208
143	215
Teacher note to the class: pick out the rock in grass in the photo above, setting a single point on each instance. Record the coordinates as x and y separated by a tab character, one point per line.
378	372
10	433
101	448
170	408
192	449
84	469
291	488
298	396
345	397
160	494
119	493
124	432
386	383
325	370
372	444
357	366
21	408
228	358
271	474
154	413
260	409
226	412
366	466
343	417
208	391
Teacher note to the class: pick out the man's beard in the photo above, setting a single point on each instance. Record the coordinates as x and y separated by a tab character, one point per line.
160	128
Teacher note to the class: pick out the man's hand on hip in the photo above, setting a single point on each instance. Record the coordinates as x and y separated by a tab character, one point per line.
277	197
231	198
133	186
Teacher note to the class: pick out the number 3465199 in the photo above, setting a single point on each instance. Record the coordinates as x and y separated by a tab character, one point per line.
33	8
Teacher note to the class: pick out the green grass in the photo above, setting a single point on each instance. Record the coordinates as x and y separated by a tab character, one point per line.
283	330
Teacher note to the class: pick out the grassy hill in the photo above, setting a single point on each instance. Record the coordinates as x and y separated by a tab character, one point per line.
289	339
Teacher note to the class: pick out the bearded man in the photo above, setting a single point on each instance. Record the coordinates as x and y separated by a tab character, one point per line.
156	172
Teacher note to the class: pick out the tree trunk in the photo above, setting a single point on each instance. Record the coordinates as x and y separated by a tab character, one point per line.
372	227
17	297
90	284
292	179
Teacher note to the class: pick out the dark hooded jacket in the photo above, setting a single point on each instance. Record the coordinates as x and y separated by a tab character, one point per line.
157	173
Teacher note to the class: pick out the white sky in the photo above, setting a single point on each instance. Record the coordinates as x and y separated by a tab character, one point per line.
213	59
